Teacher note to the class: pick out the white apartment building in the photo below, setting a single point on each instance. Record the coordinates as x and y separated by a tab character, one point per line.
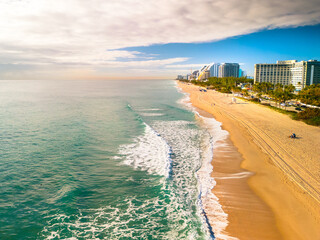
299	74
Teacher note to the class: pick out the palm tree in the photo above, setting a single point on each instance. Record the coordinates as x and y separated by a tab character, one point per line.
299	85
287	95
276	95
282	95
257	87
290	88
278	85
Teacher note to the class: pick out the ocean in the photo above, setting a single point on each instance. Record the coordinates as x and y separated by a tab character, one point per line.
125	159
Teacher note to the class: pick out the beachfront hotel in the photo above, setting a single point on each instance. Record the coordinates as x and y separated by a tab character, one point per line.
299	74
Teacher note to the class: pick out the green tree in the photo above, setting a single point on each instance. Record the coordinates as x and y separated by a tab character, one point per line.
257	87
290	88
236	89
223	84
310	95
282	95
245	92
276	95
278	85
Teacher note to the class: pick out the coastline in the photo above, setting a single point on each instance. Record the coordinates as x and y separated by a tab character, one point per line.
253	188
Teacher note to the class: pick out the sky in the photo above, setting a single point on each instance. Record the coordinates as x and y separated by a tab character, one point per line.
147	39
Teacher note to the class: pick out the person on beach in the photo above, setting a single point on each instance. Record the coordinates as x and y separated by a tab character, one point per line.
293	135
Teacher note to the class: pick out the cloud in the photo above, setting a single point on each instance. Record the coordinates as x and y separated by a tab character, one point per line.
187	66
44	56
75	33
145	64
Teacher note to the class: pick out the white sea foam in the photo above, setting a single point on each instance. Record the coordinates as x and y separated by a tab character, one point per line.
175	202
118	222
218	219
146	114
149	152
185	100
214	214
149	109
236	175
53	235
184	137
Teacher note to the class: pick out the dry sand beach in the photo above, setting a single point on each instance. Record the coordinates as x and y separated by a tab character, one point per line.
267	183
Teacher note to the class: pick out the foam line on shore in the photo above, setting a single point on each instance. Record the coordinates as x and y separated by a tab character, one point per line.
206	183
236	175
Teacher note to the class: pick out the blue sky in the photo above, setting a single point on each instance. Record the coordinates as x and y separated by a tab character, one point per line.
149	39
266	46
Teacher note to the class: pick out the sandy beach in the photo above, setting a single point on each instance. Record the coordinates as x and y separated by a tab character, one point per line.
267	183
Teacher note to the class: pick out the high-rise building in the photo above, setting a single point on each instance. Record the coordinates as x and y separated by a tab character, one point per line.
242	73
299	74
214	69
312	72
229	70
179	77
204	72
194	75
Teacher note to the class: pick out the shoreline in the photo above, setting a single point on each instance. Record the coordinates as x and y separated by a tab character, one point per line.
289	212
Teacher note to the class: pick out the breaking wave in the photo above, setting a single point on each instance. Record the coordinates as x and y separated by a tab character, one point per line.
149	152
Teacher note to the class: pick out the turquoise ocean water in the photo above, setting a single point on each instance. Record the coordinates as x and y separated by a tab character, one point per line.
99	160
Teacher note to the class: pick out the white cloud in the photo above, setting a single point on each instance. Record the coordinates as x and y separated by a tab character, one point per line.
187	66
145	64
75	32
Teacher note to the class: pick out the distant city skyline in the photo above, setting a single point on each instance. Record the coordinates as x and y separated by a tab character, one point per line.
150	40
267	46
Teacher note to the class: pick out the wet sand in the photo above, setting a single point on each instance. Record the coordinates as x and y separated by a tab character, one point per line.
267	193
249	217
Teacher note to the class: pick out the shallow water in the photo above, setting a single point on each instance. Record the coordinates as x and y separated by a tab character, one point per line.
101	159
